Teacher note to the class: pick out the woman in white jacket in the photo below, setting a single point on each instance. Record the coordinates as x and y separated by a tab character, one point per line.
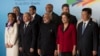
11	41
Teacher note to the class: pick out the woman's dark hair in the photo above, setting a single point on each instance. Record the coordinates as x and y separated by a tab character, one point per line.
67	15
15	19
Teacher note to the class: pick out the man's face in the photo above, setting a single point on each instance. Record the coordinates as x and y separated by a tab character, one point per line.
32	11
46	18
16	11
26	17
65	9
49	8
85	15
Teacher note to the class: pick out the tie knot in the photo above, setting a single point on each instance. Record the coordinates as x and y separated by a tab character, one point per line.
84	24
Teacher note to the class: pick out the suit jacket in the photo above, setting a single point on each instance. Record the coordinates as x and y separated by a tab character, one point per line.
11	34
88	41
36	22
47	38
20	17
27	37
11	37
66	37
55	19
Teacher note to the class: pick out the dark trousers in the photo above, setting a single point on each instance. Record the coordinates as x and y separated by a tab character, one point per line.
48	55
25	53
66	54
85	53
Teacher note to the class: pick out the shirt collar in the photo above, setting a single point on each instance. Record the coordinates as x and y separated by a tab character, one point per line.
33	16
27	23
86	21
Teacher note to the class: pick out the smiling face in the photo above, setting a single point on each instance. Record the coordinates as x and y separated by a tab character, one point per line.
65	19
10	18
26	17
46	18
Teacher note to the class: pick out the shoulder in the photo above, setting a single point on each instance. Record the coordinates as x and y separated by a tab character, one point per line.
60	26
37	15
72	15
15	24
72	25
55	14
94	23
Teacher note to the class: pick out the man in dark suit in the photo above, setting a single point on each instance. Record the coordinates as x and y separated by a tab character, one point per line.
55	18
87	35
26	36
47	37
18	13
65	9
36	21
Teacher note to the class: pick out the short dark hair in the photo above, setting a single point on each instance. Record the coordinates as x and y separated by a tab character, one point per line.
88	10
67	15
65	5
14	16
50	5
17	7
33	7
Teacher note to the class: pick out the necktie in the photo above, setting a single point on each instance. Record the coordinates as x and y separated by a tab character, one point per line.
83	28
25	26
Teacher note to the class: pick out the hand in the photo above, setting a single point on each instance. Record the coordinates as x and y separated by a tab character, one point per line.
10	45
31	50
18	22
58	52
20	49
55	53
77	51
7	46
73	52
39	51
94	53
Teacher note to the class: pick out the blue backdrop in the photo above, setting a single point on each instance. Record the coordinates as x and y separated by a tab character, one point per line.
75	9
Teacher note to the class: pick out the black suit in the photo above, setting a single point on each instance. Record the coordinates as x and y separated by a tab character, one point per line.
73	19
55	19
88	41
47	39
20	18
36	22
26	38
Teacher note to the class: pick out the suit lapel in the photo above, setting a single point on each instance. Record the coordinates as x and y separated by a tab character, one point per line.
87	27
34	18
81	28
28	27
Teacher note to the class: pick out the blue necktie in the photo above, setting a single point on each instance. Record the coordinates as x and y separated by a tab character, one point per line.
83	28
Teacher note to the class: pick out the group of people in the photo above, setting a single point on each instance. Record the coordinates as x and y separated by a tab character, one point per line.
30	34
